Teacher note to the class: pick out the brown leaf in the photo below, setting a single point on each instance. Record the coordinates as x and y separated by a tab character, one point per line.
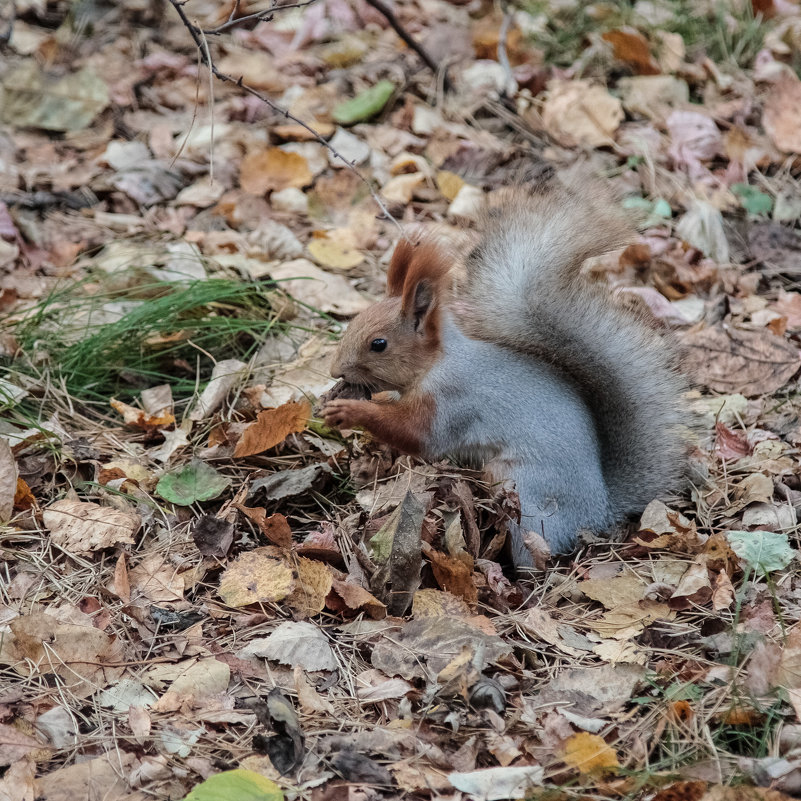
273	426
121	586
781	116
694	587
632	48
272	170
453	574
15	745
730	360
275	527
580	113
79	654
356	598
156	580
730	444
82	527
103	777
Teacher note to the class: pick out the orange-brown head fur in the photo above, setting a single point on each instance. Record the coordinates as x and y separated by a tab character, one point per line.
408	321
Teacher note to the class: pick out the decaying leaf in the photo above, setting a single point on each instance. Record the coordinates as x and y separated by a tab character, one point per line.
273	169
297	645
495	784
425	647
256	577
782	114
578	112
82	527
751	362
8	480
273	426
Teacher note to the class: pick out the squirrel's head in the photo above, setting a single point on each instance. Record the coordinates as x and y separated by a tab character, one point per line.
393	344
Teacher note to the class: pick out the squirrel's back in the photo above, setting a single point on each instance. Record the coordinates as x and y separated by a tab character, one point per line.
525	291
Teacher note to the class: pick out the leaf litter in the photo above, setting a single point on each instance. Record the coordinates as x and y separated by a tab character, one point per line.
207	593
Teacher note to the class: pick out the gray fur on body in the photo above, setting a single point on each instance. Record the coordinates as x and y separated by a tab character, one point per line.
526	292
526	423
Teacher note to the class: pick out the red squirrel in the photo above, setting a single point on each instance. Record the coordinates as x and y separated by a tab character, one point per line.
528	368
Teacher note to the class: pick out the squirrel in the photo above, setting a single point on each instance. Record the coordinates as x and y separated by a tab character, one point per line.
529	368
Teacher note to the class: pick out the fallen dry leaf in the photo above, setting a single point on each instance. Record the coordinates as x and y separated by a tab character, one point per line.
256	577
137	418
334	254
273	169
8	481
781	116
82	527
272	427
156	580
751	362
275	527
312	585
297	645
15	745
578	112
590	753
632	48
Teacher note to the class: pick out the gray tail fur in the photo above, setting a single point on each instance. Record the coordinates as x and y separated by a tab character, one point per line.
525	291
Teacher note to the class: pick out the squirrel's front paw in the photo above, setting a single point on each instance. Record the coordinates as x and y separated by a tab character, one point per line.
341	413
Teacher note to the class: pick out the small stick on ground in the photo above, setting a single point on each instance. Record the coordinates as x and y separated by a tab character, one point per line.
383	9
197	37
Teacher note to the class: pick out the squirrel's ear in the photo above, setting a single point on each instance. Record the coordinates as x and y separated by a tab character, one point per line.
399	267
418	302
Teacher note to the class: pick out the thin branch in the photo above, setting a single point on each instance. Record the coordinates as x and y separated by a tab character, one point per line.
503	56
197	37
387	12
258	16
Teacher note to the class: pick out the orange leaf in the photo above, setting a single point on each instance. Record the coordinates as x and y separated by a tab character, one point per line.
631	47
680	712
273	426
136	418
23	497
273	169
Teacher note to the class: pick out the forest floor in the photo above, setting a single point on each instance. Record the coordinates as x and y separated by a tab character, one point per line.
197	586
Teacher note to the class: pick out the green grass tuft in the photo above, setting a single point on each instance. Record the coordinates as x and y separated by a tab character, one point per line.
95	342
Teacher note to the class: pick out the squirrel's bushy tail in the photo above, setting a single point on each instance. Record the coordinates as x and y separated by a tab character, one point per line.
526	290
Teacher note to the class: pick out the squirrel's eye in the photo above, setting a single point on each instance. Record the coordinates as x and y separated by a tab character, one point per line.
378	345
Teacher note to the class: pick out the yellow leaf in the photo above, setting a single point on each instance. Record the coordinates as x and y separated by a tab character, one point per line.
273	169
449	183
334	254
312	587
589	753
256	577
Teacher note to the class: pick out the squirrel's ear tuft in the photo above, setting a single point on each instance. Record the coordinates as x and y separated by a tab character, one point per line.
399	267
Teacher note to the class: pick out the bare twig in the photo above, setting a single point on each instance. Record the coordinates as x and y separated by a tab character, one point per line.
258	16
510	86
383	9
197	37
